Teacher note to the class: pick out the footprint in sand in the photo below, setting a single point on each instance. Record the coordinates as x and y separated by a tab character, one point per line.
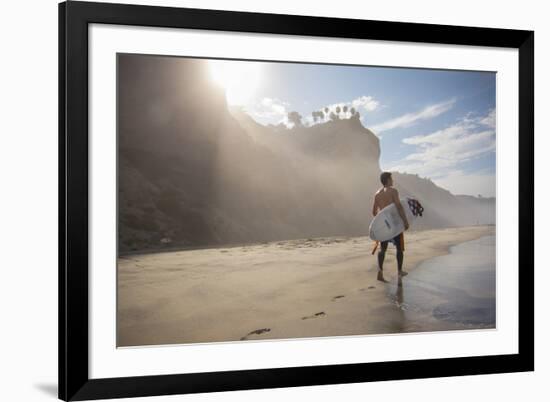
316	315
256	332
337	297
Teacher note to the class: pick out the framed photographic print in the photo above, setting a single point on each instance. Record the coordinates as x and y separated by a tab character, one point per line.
257	200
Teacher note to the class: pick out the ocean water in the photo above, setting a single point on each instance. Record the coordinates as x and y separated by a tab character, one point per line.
457	289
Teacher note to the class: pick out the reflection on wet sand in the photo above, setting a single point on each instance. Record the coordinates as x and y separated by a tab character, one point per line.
455	291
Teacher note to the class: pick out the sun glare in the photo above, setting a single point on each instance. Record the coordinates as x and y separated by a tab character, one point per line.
240	79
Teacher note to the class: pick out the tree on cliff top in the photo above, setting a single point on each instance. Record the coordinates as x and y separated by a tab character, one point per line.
295	118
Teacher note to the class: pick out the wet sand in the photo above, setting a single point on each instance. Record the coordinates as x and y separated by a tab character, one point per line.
300	288
451	292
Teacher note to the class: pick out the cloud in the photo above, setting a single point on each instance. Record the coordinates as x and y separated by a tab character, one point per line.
270	111
490	119
409	119
367	103
439	155
269	107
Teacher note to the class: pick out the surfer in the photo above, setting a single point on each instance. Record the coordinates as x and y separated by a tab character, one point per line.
385	196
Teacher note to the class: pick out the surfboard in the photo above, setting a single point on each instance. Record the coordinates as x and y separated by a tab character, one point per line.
388	223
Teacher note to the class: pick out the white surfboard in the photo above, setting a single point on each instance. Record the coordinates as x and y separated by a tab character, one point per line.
388	223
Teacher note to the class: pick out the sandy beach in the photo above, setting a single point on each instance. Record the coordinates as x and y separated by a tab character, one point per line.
284	289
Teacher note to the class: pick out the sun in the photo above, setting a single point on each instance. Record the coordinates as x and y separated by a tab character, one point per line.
240	79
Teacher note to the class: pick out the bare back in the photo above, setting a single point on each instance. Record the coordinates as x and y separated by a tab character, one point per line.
384	197
387	196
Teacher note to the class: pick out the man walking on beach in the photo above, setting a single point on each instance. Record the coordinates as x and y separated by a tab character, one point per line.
384	197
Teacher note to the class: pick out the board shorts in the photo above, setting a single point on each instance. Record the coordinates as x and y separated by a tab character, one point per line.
397	241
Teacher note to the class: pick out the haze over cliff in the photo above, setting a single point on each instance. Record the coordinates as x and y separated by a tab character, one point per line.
194	173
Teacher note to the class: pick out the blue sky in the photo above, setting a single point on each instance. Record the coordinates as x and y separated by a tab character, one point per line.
436	123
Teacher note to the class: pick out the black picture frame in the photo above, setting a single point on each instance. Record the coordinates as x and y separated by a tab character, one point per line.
74	18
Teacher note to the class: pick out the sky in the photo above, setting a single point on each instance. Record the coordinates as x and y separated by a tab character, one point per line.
439	124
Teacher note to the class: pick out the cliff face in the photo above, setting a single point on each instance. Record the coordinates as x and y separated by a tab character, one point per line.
191	173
